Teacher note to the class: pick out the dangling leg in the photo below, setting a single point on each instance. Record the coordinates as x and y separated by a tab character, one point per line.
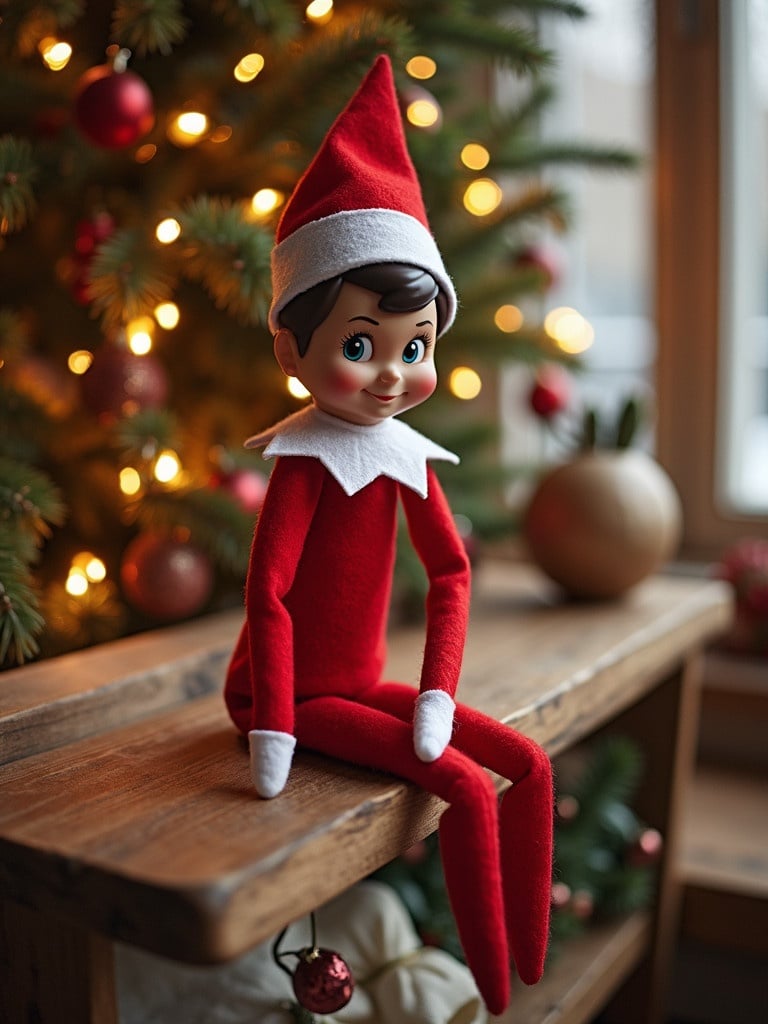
525	821
469	830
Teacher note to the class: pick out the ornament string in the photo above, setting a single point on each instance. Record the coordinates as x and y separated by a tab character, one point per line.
277	955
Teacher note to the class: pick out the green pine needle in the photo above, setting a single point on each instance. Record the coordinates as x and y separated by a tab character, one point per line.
29	502
18	171
129	278
20	620
149	27
229	255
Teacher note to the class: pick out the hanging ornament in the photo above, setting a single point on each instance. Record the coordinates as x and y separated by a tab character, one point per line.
551	391
166	577
322	981
546	259
246	486
113	107
89	235
119	383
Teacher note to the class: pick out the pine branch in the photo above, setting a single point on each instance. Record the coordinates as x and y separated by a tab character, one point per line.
20	620
128	278
229	255
533	155
515	48
149	430
25	22
149	27
18	171
28	501
214	520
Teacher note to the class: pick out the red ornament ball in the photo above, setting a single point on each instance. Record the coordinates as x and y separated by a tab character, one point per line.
322	981
551	391
164	577
113	108
545	259
119	383
247	487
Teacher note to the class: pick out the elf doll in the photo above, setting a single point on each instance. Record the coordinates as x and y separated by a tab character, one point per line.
360	296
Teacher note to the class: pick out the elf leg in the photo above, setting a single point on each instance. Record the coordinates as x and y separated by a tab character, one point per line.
525	820
469	829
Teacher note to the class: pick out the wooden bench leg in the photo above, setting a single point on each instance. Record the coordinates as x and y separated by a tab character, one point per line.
666	724
52	971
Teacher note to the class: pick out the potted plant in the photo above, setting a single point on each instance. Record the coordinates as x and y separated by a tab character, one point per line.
609	515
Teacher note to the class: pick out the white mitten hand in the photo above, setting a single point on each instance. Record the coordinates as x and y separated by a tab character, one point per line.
432	724
271	756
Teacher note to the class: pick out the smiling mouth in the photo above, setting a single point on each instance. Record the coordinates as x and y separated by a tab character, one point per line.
382	398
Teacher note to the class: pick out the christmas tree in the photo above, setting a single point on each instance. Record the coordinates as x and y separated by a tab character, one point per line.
146	149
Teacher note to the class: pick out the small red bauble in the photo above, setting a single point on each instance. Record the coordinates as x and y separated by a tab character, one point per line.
322	981
247	487
551	391
164	577
113	107
119	383
546	259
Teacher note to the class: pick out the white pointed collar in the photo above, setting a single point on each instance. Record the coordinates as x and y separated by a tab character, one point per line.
354	454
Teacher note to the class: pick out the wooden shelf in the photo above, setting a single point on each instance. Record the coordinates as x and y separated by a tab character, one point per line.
584	976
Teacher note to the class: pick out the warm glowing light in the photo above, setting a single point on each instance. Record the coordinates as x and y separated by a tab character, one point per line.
296	388
475	157
139	335
54	52
145	153
188	128
508	319
167	315
168	230
77	583
130	481
247	68
421	67
90	565
221	134
423	113
482	197
465	383
319	11
570	331
79	362
167	467
266	200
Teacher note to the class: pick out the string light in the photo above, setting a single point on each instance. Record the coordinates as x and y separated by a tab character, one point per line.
55	53
167	315
79	362
167	467
139	335
248	67
475	157
296	388
508	319
130	481
421	67
266	200
145	153
465	383
570	331
423	112
482	197
90	565
319	11
168	230
187	128
77	583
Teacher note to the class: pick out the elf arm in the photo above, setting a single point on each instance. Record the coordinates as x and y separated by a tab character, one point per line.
286	516
441	549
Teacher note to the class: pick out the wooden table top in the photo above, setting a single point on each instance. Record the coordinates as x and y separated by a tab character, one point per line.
147	827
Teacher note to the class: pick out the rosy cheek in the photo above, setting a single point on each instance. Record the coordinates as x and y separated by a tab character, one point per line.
424	384
344	381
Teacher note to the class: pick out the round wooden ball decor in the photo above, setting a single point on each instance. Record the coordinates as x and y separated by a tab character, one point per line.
601	523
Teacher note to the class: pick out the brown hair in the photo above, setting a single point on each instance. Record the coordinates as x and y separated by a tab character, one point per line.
403	289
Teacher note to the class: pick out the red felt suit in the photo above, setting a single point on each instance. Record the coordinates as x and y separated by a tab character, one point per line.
310	657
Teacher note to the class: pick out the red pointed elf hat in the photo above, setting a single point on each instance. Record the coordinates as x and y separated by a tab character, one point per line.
359	202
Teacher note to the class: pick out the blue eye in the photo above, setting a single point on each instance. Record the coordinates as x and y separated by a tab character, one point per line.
414	351
358	348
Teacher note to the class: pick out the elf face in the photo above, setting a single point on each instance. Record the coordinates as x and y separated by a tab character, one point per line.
363	364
